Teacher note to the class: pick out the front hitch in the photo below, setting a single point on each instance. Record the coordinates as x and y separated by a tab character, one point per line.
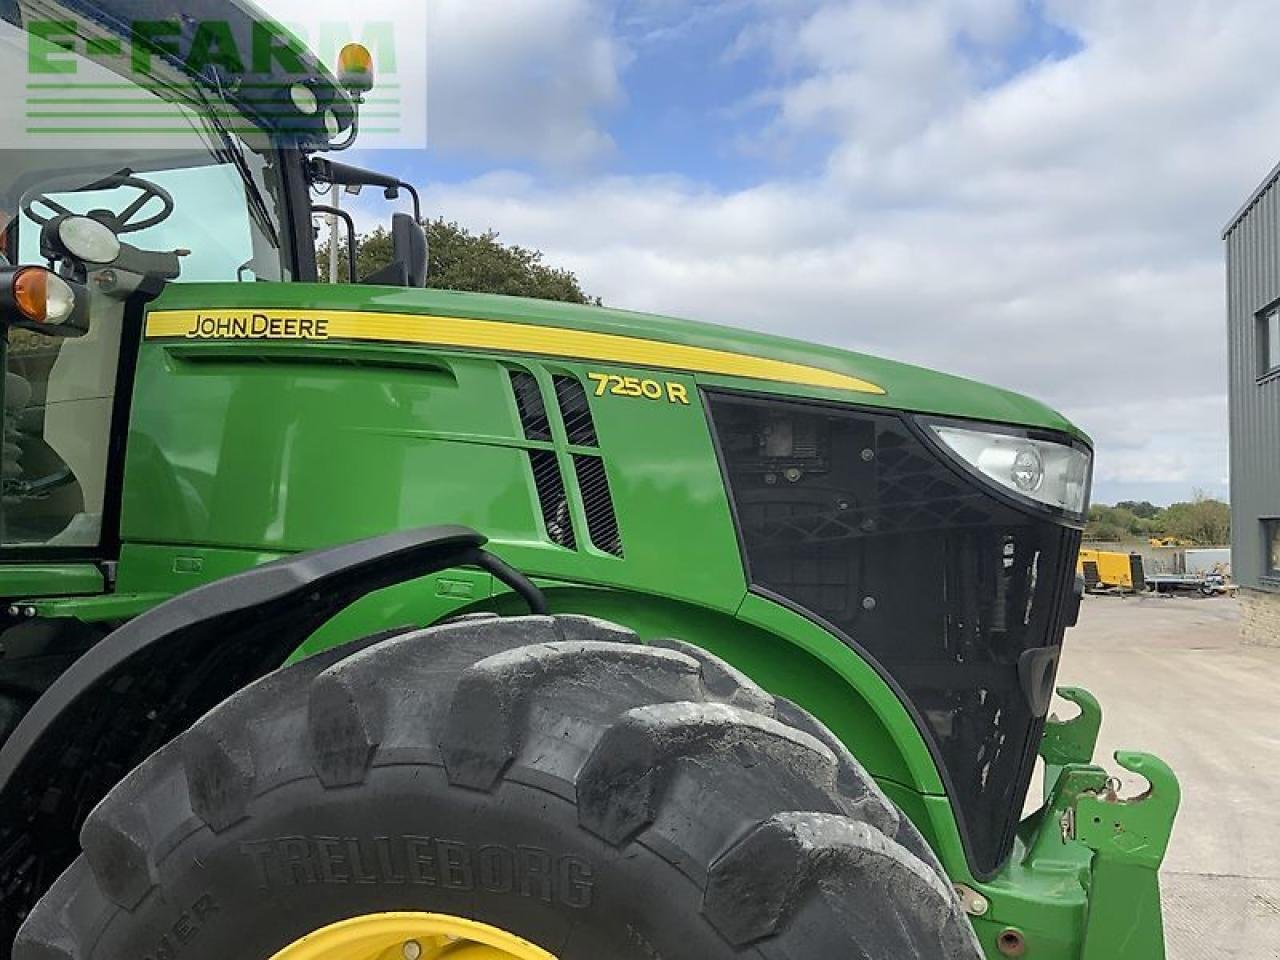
1070	741
1128	837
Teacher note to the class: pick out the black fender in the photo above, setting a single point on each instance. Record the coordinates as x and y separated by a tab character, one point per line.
152	678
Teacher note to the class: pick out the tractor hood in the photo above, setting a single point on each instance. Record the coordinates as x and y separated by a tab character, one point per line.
721	356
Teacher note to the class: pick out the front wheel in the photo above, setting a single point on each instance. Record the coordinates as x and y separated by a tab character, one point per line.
531	788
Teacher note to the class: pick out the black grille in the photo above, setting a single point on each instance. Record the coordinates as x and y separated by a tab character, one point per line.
575	410
533	412
551	497
849	515
602	522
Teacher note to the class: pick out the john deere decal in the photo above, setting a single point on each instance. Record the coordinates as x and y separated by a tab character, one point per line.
257	326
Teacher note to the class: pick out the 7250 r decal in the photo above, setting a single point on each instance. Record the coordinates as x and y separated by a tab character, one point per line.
636	387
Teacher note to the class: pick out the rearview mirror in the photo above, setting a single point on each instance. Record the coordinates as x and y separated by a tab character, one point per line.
408	267
409	240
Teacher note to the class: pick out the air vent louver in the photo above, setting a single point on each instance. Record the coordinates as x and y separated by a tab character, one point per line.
533	412
552	498
574	408
597	502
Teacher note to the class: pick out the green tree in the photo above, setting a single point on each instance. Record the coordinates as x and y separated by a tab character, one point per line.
1102	530
1203	520
1143	509
461	260
1116	523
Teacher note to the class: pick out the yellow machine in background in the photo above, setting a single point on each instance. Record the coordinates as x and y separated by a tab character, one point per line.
1111	570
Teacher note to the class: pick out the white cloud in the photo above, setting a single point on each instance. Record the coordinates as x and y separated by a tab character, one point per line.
523	79
1055	231
515	80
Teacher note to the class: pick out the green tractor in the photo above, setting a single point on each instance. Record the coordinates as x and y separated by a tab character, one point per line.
362	621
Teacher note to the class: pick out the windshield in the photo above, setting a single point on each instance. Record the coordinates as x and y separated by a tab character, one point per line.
228	237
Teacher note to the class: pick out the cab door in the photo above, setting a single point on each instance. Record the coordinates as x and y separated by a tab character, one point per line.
63	428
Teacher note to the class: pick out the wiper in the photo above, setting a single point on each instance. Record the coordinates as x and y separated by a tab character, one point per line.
232	152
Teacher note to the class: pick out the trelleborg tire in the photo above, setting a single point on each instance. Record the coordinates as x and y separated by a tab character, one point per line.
549	776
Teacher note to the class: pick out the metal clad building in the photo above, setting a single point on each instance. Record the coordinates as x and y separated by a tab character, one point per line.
1253	332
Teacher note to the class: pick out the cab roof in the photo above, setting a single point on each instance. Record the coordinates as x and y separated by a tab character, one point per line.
260	91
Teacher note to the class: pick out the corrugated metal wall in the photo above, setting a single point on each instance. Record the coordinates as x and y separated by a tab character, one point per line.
1253	283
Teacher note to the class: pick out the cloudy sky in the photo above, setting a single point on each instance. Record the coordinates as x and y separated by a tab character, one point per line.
1027	193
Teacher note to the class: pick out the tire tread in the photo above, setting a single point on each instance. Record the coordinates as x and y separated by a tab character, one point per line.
467	695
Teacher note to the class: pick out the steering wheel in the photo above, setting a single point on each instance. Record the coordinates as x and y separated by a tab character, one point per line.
122	222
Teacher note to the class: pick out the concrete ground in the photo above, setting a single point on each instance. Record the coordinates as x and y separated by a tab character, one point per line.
1174	680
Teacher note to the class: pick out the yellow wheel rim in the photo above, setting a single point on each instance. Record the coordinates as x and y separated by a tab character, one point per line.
411	936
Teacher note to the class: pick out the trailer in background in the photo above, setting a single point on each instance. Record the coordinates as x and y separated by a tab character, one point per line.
1207	584
1208	560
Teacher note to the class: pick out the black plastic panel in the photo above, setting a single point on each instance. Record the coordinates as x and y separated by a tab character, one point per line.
954	594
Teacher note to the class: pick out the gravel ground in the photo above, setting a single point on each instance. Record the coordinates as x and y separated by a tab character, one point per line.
1174	680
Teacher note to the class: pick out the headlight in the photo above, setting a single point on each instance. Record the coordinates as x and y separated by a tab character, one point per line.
88	240
332	125
1053	474
304	99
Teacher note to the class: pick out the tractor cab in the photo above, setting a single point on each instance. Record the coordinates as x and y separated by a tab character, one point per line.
187	172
